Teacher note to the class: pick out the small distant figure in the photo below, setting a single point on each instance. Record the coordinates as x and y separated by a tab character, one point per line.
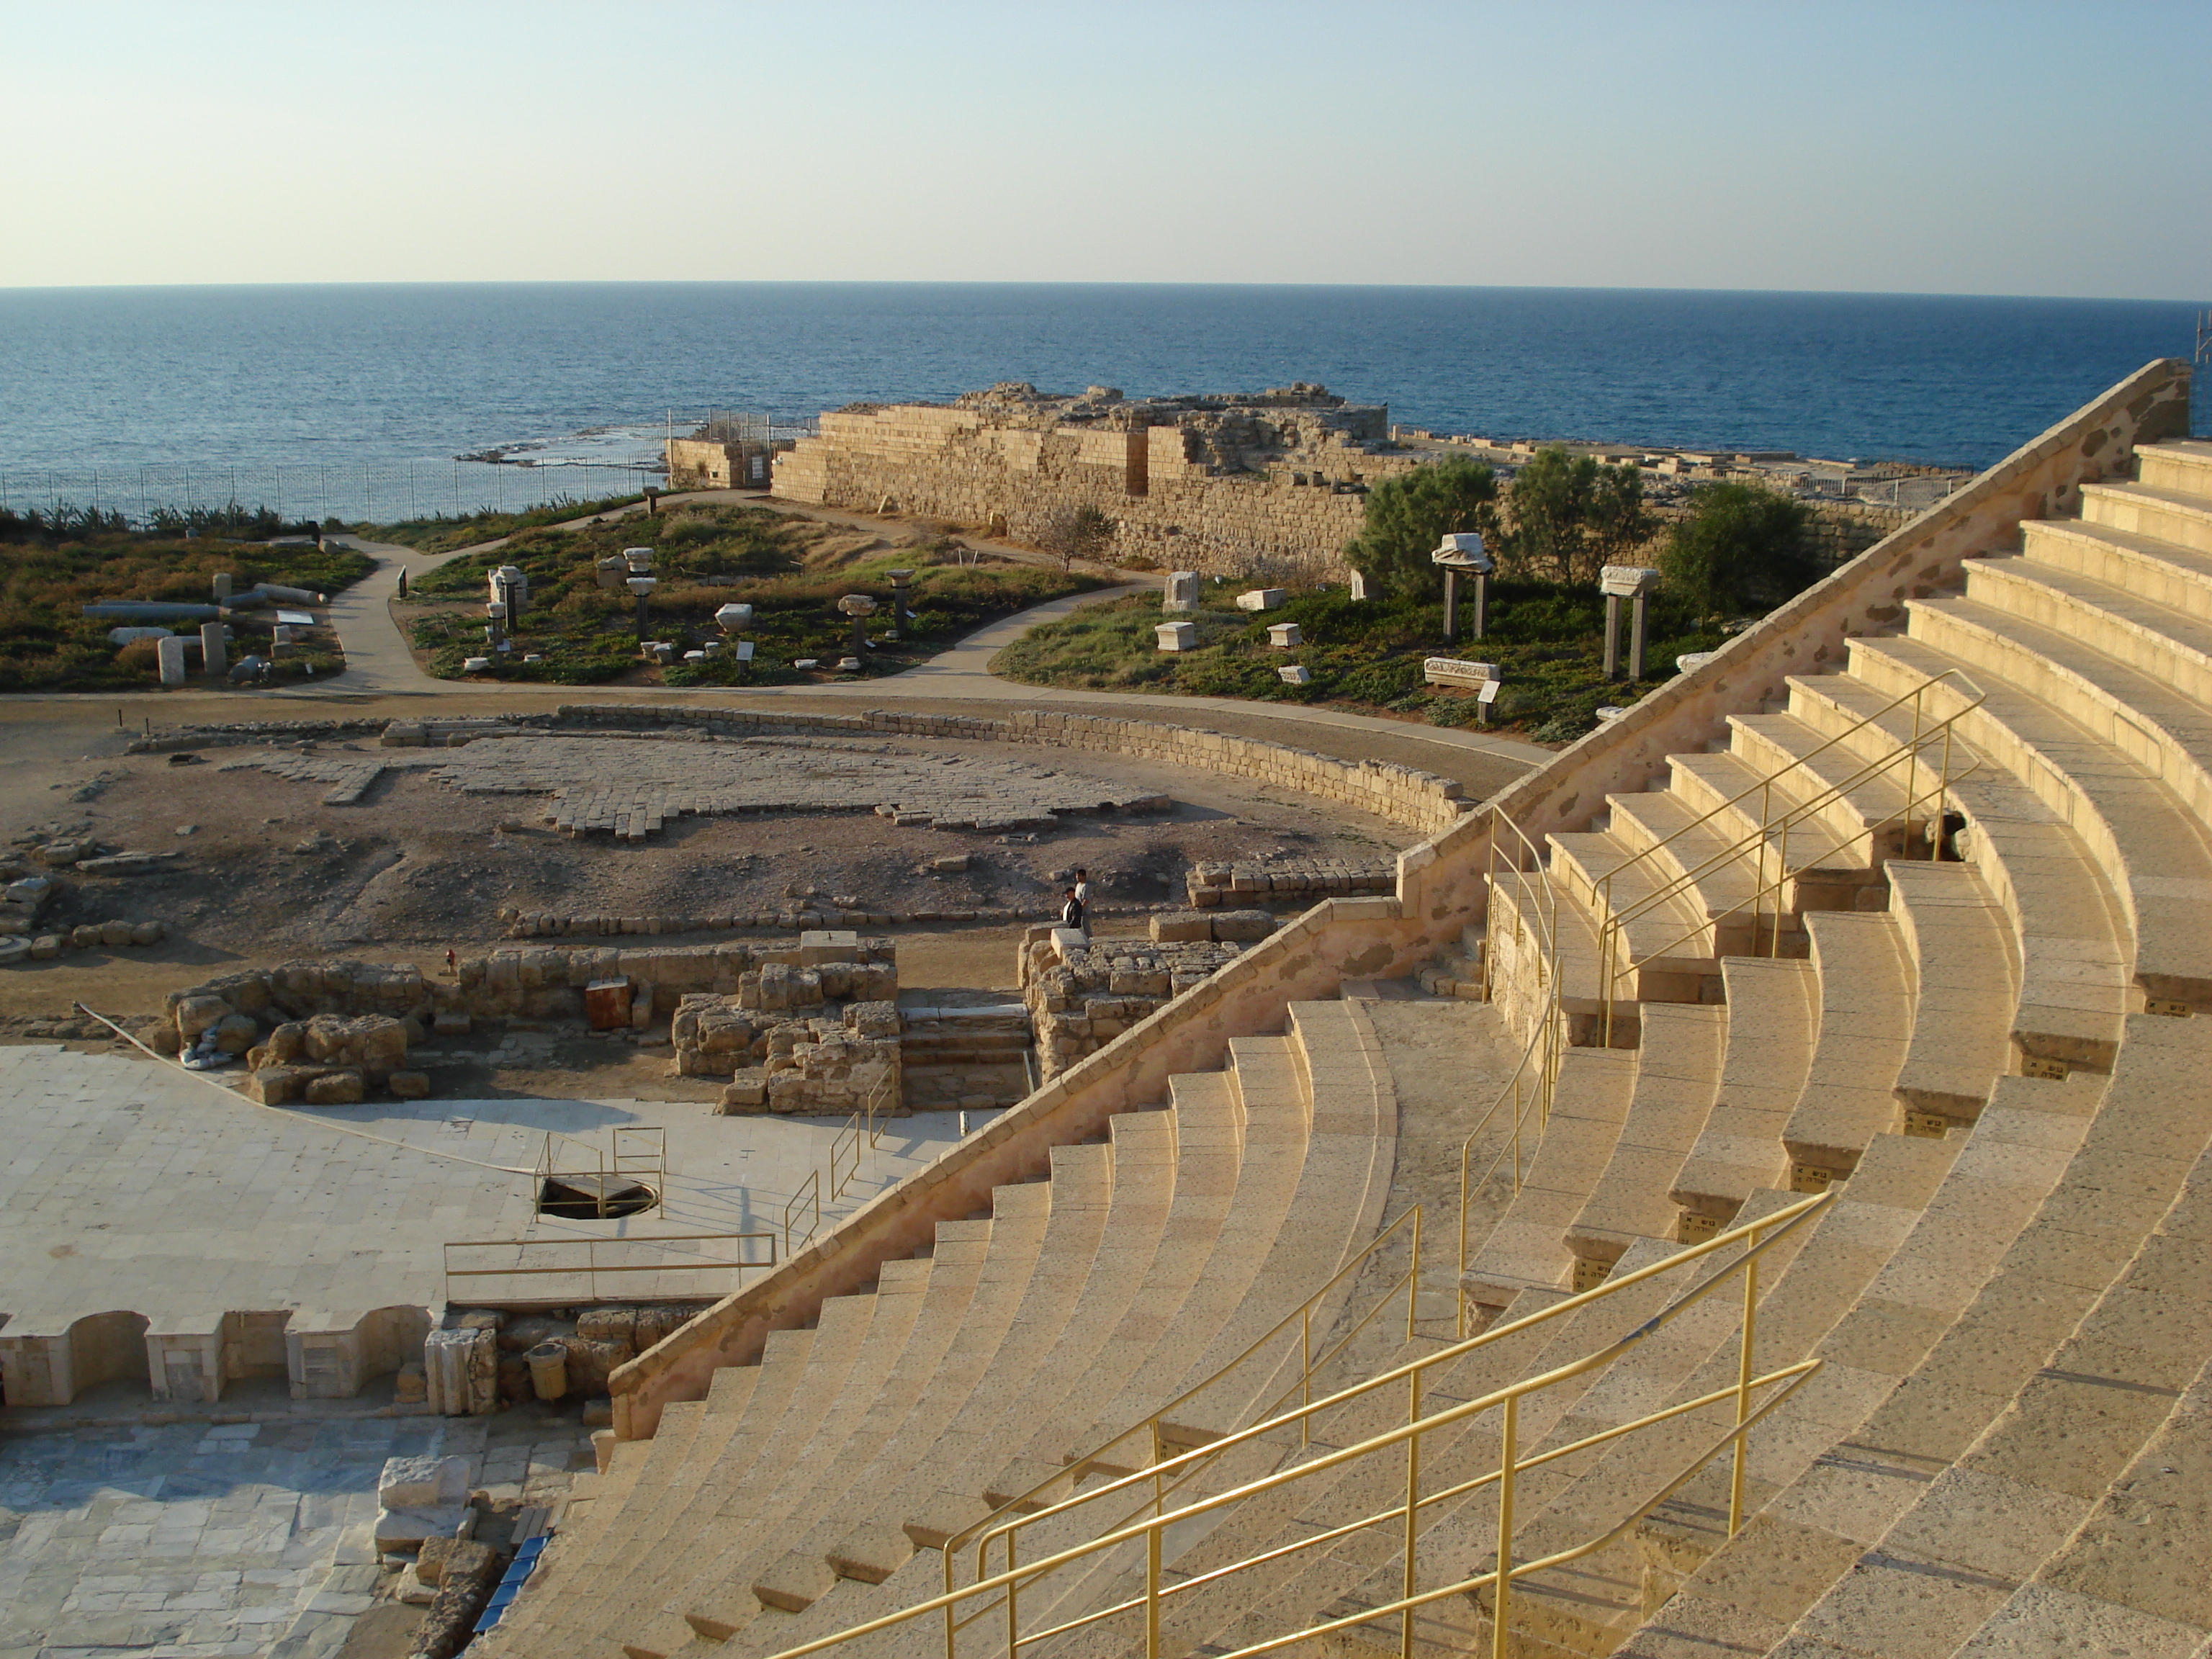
1070	911
319	533
403	584
453	963
1083	888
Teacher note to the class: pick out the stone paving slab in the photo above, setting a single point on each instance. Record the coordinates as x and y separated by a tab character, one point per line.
629	788
127	1184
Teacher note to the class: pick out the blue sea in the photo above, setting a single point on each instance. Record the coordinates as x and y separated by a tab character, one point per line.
251	382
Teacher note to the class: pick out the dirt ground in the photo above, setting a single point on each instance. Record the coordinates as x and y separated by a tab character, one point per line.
262	871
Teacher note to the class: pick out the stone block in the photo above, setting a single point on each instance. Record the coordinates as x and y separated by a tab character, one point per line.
1242	927
340	1088
745	1092
410	1528
1263	598
1175	926
818	946
416	1483
1181	592
85	935
45	946
1295	675
149	933
953	863
275	1085
236	1033
461	1368
409	1085
1176	636
1284	635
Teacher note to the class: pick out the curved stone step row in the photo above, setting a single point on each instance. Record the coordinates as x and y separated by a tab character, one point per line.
1343	1174
2092	1476
911	1411
2056	1189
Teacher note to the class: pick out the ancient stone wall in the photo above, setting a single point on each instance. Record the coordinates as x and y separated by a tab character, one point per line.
1082	994
1271	483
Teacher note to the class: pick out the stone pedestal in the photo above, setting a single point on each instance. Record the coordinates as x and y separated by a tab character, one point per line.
1176	636
1284	635
214	655
1181	593
1263	598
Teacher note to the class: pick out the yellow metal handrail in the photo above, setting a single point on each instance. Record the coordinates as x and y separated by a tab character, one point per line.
1771	838
1012	1511
591	1266
809	1196
1534	1077
861	1134
1000	1591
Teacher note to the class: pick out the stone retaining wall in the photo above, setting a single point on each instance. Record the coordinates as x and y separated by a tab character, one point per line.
1404	794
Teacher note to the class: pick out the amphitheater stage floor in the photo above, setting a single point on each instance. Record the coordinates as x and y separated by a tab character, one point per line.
129	1185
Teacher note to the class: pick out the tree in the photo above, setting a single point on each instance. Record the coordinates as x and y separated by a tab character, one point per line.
1070	533
1742	549
1572	516
1408	517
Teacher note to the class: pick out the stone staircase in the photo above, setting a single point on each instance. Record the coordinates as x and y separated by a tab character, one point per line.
1974	1014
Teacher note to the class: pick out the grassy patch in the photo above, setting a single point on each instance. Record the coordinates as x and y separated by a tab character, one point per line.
443	532
791	572
48	644
1364	655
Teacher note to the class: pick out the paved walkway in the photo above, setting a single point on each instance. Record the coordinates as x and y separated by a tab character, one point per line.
379	661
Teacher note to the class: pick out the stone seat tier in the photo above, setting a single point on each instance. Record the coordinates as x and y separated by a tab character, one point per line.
1809	1283
1678	1071
551	1620
2072	939
1865	1027
1663	934
754	1526
1717	872
2071	1514
2133	753
1338	1576
1960	969
1831	846
1772	1010
2146	566
1562	1161
1326	1156
2171	514
2182	463
1863	805
747	1482
1523	903
2057	1191
752	1565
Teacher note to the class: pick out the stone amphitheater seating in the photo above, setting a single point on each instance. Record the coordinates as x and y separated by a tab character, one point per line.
1982	1031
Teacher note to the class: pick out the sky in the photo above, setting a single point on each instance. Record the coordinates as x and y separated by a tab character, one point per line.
2012	147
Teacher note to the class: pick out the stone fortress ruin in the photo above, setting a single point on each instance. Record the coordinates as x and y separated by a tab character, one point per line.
1272	480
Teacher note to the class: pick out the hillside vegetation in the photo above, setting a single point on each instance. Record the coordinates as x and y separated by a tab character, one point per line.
791	572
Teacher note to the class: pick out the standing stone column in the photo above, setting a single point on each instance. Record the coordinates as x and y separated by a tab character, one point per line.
1625	581
901	597
213	657
1182	592
170	653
